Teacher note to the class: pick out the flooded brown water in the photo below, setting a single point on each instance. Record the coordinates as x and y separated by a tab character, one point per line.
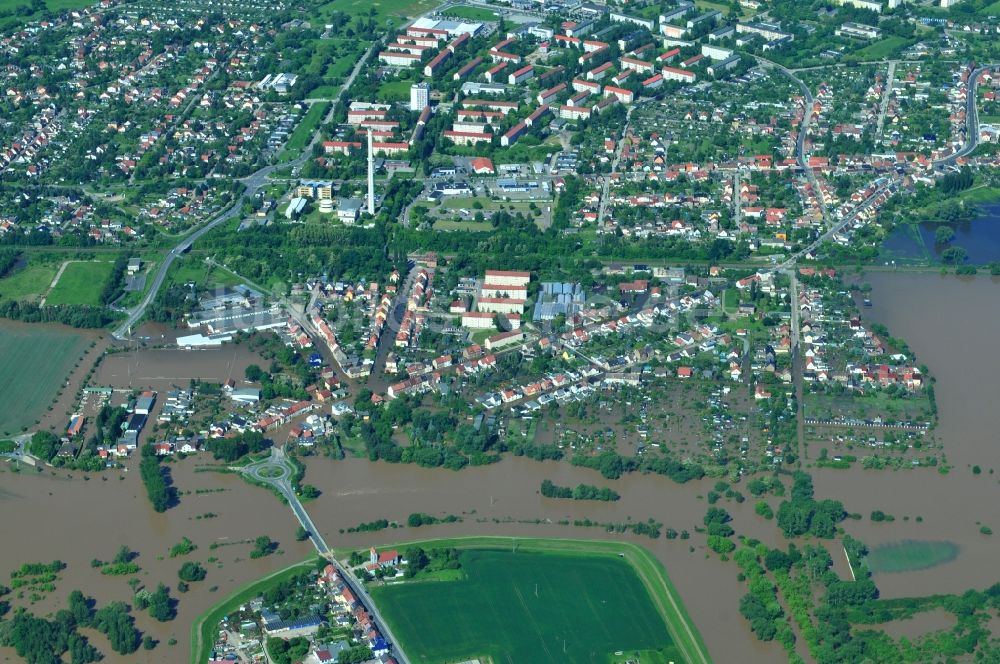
48	517
356	491
165	368
951	325
922	623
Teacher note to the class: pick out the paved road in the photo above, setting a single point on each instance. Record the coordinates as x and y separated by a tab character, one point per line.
252	184
800	143
277	472
619	146
884	106
971	118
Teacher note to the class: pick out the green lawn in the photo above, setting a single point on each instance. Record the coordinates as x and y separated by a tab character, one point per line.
80	283
325	92
470	226
394	91
882	49
52	5
383	8
305	129
991	10
471	13
34	362
730	300
192	269
28	283
911	555
538	604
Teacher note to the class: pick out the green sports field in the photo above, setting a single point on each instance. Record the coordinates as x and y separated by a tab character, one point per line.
34	362
528	607
910	556
80	283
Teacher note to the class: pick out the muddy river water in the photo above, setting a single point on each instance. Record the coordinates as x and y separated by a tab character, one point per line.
950	324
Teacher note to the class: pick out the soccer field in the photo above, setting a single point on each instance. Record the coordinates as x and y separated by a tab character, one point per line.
527	607
33	364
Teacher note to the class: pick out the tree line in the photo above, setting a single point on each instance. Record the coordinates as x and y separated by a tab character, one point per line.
579	492
156	478
75	315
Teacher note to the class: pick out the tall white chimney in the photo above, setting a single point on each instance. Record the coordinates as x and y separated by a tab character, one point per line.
371	175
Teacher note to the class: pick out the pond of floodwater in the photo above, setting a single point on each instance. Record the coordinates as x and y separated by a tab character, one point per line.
980	237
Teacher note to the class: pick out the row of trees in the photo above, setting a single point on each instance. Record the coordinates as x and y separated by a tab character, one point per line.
74	315
579	492
612	466
156	478
114	286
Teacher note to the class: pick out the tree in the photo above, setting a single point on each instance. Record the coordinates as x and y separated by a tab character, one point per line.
161	606
124	555
115	622
263	546
191	571
954	255
944	235
44	445
416	560
81	607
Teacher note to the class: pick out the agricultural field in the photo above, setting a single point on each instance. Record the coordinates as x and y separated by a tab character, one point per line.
80	283
528	606
34	362
910	556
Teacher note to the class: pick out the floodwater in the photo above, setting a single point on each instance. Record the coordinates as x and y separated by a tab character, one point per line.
90	519
50	516
922	623
504	499
980	237
163	369
951	324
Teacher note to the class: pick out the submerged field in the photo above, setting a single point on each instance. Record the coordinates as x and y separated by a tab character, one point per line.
34	362
911	555
529	606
